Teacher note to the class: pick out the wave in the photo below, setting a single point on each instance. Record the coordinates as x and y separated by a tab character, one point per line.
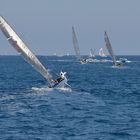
62	60
47	89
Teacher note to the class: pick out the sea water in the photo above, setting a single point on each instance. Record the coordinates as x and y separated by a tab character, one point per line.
103	103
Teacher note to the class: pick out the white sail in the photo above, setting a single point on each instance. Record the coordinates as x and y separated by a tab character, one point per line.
75	44
92	53
109	48
23	50
101	53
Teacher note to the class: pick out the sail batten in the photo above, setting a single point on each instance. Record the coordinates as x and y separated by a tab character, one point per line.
22	49
109	47
75	44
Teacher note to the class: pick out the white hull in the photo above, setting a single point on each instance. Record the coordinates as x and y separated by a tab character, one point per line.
62	84
123	60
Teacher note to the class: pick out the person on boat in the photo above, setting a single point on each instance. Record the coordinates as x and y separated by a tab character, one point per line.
61	78
83	61
55	82
119	64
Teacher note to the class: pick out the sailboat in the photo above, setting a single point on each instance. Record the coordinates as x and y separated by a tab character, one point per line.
92	53
101	53
92	56
76	47
110	50
28	56
102	56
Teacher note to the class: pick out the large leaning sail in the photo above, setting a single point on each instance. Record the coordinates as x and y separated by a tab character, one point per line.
22	49
75	44
109	48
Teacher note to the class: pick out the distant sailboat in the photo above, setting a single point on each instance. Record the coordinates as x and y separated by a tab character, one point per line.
25	52
101	53
76	47
92	58
92	53
110	50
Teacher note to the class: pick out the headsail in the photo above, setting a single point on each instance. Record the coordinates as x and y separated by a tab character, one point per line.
75	44
23	50
101	53
109	48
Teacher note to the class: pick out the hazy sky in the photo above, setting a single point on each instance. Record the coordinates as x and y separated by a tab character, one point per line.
45	25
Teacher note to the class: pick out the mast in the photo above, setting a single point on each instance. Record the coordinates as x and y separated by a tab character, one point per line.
75	44
109	47
22	49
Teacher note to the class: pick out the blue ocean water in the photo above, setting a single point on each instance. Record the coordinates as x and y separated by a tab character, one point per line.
102	104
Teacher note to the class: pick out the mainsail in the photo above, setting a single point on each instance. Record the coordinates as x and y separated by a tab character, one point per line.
23	50
109	48
75	44
101	53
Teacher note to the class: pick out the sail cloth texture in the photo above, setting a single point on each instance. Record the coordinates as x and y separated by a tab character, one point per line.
22	49
109	47
75	44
